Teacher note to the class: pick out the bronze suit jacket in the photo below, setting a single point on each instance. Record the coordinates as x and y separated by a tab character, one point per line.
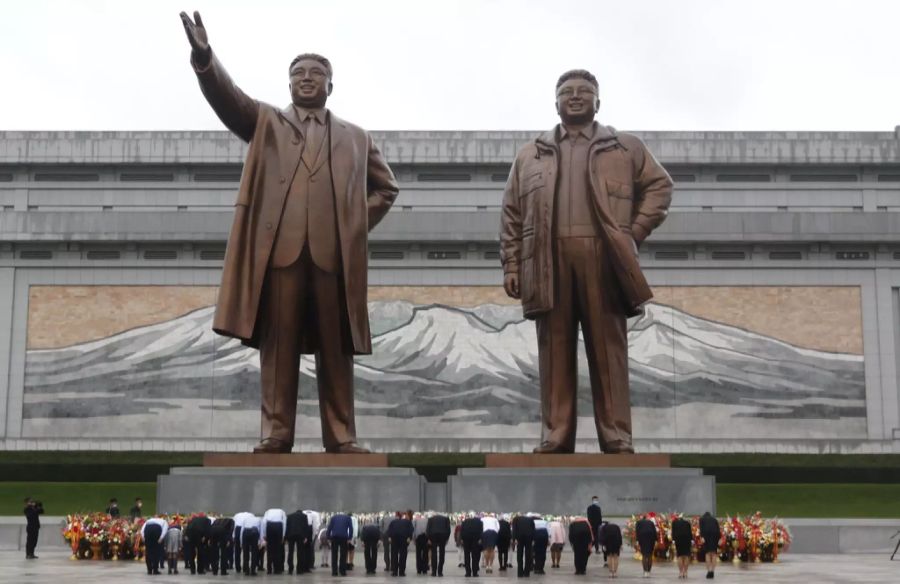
364	189
631	195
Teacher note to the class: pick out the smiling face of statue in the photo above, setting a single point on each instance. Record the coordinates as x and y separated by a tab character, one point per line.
310	83
577	101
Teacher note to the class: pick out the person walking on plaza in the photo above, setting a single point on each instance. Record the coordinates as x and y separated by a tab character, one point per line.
470	533
370	535
523	536
581	538
557	541
221	537
33	511
645	532
400	531
238	526
153	532
272	530
489	540
136	511
420	522
172	545
438	531
340	530
541	542
294	535
682	537
504	537
711	533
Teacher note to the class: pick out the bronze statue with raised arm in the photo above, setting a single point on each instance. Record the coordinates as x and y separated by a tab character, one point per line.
295	273
579	200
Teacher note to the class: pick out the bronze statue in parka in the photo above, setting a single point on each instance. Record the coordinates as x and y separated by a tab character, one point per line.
578	202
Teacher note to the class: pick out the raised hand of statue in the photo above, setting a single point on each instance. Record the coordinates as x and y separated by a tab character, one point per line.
196	34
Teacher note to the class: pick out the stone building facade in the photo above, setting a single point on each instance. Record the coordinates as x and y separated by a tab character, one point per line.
775	326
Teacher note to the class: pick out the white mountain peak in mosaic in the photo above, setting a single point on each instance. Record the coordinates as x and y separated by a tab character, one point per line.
440	362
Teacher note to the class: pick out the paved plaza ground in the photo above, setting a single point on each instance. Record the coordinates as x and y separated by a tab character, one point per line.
54	567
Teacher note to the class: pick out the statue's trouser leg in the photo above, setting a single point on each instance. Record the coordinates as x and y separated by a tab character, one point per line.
334	360
557	332
284	308
584	292
606	347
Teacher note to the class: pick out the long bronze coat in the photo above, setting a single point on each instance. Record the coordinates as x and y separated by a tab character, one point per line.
364	188
631	195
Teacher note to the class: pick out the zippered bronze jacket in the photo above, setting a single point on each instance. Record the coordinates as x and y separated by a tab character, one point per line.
631	196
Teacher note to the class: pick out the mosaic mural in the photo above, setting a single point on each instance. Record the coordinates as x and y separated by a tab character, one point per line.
132	362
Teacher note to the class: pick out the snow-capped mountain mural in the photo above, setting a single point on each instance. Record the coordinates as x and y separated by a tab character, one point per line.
440	370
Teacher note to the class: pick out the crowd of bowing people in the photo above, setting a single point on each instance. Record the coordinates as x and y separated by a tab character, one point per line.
276	539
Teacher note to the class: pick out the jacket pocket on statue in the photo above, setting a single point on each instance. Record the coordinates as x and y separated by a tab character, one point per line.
621	201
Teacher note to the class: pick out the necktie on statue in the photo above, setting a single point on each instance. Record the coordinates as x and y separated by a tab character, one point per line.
313	141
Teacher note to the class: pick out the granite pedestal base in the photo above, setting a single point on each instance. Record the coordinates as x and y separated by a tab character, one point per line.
231	489
568	491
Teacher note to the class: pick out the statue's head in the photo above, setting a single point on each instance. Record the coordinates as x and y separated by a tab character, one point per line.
310	76
577	99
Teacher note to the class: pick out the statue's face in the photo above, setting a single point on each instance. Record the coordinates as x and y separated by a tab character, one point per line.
577	101
310	85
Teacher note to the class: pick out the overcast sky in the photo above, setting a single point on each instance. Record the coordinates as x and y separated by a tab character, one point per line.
461	64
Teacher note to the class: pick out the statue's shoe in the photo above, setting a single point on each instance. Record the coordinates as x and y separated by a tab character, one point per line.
272	446
348	448
552	448
619	448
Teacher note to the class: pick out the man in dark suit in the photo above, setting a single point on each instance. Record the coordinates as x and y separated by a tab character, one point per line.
370	535
400	531
196	542
595	518
294	279
33	511
221	536
504	536
523	535
438	531
340	530
470	534
295	535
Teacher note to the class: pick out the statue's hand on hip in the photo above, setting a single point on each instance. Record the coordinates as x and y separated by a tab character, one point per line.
196	34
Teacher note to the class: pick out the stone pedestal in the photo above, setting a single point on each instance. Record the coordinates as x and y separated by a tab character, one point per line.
577	460
295	460
233	489
568	491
